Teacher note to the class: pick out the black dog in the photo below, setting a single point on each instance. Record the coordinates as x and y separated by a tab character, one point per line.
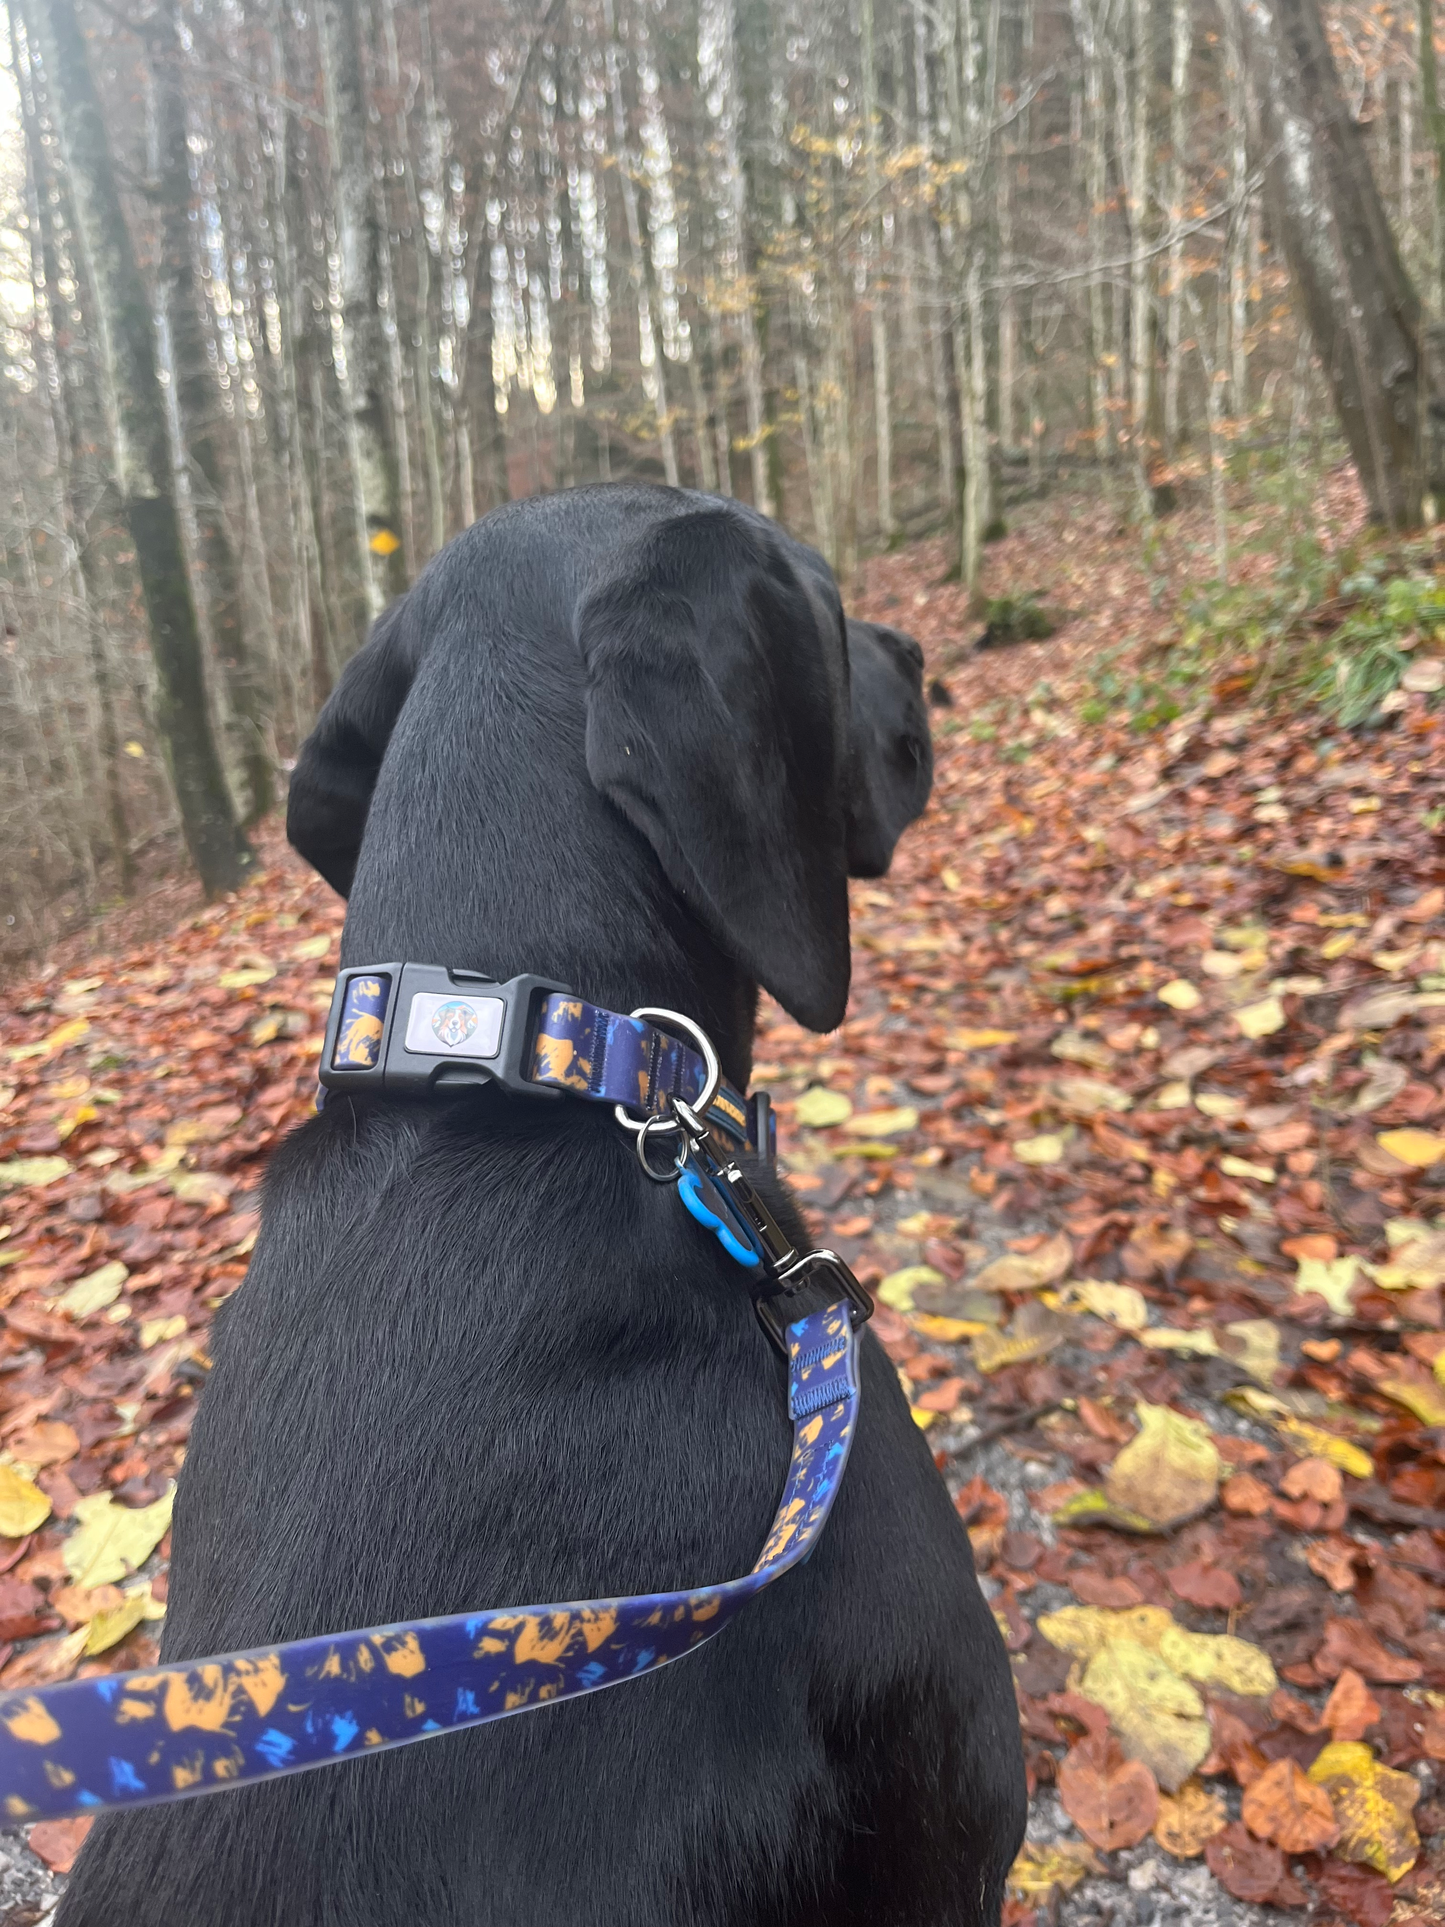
479	1360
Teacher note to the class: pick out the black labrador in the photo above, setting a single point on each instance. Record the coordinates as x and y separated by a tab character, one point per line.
479	1361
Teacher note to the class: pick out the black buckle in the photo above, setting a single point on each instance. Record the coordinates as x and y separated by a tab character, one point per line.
404	1028
823	1269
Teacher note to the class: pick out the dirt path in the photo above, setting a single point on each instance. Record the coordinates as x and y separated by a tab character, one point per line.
1137	1096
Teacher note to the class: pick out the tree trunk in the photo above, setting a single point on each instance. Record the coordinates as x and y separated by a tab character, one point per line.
882	401
1349	281
142	460
1435	127
201	433
1181	27
1141	304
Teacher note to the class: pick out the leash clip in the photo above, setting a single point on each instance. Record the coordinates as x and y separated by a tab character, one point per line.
822	1268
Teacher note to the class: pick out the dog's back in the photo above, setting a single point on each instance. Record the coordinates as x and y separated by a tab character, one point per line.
478	1361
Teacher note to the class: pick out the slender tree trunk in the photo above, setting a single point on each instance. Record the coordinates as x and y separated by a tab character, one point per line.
1095	172
878	319
1435	128
1141	303
1181	21
201	434
142	460
1349	281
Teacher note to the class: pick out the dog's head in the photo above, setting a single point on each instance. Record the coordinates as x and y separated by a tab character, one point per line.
891	771
709	664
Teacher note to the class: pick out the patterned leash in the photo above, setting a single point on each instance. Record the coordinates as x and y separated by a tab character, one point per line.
133	1739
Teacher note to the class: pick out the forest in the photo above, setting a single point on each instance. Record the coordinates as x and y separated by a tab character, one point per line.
292	294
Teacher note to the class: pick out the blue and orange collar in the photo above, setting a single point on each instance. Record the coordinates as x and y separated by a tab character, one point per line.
424	1029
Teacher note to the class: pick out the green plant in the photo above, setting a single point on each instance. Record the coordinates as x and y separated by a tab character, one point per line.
1017	619
1364	659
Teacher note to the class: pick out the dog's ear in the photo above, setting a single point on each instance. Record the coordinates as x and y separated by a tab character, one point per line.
337	767
716	722
890	770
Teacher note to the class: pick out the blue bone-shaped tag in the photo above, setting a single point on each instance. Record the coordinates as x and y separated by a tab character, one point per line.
706	1203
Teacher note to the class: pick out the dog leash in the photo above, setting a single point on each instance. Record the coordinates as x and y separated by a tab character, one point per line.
136	1739
205	1726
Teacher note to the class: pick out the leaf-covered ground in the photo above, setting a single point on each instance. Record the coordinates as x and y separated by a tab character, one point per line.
1137	1127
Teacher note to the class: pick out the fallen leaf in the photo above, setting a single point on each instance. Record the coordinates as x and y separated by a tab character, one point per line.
1332	1279
1120	1305
1351	1709
46	1662
1180	994
1312	1479
93	1292
1374	1806
1219	1659
1419	1149
1189	1819
1113	1801
1047	1149
1245	1495
1158	1716
1234	1167
1262	1019
891	1123
57	1842
980	1039
1017	1271
1286	1808
1170	1338
1040	1869
1360	1895
1169	1472
1349	1642
1251	1869
1253	1344
1209	1587
246	978
109	1628
1327	1445
32	1174
23	1506
1088	1096
112	1540
898	1287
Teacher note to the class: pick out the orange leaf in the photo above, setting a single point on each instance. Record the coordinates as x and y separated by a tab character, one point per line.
1112	1801
1284	1807
1351	1709
57	1842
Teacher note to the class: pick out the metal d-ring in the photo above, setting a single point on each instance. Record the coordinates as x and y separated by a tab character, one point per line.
662	1126
689	1117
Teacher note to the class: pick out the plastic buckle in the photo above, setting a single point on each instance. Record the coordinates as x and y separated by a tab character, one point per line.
814	1268
404	1028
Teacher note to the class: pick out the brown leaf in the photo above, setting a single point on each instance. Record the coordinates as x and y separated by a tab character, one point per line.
1188	1820
1313	1479
1096	1589
1251	1869
1245	1495
1111	1800
1199	1584
57	1842
1351	1709
1349	1642
1366	1898
1282	1806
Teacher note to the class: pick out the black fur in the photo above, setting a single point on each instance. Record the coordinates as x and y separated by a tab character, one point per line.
478	1360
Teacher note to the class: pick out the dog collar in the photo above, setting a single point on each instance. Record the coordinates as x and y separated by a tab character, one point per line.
409	1029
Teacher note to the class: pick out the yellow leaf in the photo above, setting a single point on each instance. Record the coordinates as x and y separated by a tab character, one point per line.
71	1122
1038	1870
891	1123
1418	1148
69	1087
898	1287
384	543
1158	1716
155	1331
267	1029
1189	1820
1120	1305
947	1331
1314	1442
1373	1805
1088	1096
1221	963
1180	994
312	950
244	979
1332	1279
817	1109
133	748
1218	1659
1417	1257
32	1174
1019	1271
1219	1104
1233	1167
1255	1347
23	1506
201	1187
1085	1630
1337	945
921	1418
93	1292
112	1540
1093	1508
1418	1395
1262	1019
980	1039
1169	1471
1172	1097
1039	1150
110	1627
992	1350
1168	1338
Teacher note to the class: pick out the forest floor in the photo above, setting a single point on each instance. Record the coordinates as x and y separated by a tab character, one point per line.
1136	1125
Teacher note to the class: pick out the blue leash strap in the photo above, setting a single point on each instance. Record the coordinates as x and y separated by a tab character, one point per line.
134	1739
